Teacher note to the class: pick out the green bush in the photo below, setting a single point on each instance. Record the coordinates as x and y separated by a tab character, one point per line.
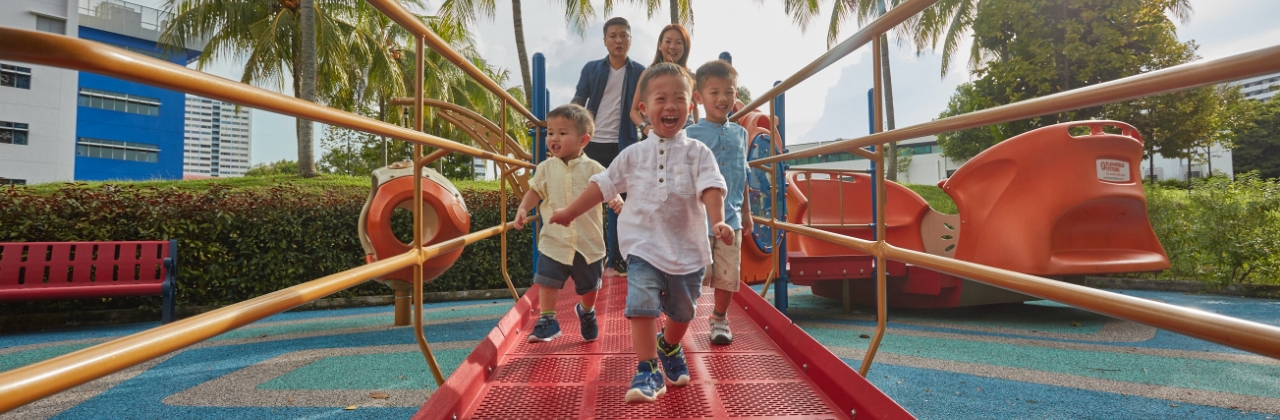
236	243
1221	231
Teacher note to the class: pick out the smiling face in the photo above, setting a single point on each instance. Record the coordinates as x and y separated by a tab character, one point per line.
564	140
667	103
716	97
672	46
617	38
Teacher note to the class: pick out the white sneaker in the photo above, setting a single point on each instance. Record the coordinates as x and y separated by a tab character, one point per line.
720	333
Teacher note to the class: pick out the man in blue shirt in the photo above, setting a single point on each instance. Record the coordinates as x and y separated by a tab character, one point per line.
606	88
716	89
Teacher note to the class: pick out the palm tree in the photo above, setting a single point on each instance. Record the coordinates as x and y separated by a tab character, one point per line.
802	13
266	35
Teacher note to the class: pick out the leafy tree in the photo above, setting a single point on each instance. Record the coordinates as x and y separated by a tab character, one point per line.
1033	48
282	167
744	95
1258	149
950	21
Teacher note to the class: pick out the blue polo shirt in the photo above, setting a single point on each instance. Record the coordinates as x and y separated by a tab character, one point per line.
728	142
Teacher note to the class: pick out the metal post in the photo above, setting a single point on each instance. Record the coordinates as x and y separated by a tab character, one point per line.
417	220
502	204
537	133
877	212
780	206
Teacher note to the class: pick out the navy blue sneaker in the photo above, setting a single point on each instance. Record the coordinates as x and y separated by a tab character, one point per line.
647	385
587	323
673	363
546	329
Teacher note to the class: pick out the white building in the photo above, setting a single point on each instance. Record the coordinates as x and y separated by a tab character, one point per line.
926	165
38	103
217	138
1259	88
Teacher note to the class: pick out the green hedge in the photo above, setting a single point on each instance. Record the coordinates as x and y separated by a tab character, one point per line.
245	238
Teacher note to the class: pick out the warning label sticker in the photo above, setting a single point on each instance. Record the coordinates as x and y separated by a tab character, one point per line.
1113	170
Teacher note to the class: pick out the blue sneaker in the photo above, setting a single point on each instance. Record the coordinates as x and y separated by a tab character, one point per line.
674	364
647	385
587	323
546	329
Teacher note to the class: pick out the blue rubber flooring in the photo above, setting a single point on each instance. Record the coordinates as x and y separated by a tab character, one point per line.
1038	360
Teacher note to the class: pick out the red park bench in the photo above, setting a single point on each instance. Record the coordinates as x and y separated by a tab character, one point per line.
75	270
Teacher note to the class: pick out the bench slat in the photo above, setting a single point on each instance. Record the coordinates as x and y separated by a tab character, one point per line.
77	292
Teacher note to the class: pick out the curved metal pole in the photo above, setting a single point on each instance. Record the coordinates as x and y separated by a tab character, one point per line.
29	383
1236	333
418	238
1186	76
84	55
502	207
877	206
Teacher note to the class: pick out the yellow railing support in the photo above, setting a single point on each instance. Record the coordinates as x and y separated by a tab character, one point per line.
38	380
502	208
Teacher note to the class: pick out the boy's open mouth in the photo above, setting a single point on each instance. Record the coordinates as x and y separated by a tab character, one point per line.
669	121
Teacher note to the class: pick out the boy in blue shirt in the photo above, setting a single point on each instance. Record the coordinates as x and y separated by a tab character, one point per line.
715	87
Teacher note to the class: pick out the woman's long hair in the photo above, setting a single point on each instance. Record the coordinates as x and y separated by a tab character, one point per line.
684	33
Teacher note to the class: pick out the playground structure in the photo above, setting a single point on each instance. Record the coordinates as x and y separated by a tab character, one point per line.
1077	210
820	374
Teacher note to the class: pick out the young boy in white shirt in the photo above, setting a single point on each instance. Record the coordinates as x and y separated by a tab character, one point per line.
576	249
674	189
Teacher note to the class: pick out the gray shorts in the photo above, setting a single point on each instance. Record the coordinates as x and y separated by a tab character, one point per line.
651	292
553	274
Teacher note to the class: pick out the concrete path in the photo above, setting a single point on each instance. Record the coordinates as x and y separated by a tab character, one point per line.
1038	360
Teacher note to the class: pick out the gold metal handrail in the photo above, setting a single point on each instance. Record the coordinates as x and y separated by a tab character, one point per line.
1186	76
84	55
406	20
1232	332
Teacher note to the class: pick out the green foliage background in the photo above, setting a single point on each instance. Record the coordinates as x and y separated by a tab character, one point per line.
242	238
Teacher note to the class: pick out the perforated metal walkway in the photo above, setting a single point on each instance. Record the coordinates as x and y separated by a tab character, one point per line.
773	370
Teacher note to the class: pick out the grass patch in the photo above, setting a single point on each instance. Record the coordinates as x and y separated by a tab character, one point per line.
937	199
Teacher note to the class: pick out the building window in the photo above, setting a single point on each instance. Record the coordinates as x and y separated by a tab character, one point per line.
15	77
118	150
13	133
51	25
7	181
113	101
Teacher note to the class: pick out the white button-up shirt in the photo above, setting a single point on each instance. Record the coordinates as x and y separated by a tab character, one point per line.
664	221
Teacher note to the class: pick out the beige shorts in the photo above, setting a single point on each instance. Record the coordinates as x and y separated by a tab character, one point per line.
725	271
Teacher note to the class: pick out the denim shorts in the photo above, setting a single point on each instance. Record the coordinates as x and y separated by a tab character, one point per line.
651	292
586	275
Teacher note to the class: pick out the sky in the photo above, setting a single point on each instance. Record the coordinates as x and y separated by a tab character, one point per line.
766	47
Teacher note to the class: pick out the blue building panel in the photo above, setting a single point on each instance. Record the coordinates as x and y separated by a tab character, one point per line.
154	142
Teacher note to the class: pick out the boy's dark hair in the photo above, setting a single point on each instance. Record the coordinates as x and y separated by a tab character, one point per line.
662	69
616	21
716	69
580	116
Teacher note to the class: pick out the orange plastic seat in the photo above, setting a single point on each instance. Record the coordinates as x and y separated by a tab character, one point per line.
1047	203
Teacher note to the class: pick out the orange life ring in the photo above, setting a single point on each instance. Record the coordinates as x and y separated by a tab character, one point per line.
445	217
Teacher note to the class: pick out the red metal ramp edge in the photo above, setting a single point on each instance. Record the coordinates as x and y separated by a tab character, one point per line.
773	370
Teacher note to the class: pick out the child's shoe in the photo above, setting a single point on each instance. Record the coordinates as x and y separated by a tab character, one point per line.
720	331
546	329
673	363
587	323
647	385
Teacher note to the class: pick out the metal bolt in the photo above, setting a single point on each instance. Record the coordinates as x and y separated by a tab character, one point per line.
853	414
819	273
490	369
805	367
766	328
802	273
844	272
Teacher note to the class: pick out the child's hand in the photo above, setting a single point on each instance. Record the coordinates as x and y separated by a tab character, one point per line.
616	205
521	217
747	224
724	232
560	217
